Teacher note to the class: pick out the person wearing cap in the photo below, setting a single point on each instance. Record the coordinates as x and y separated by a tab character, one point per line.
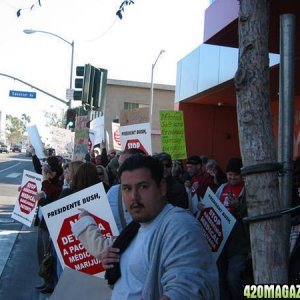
176	193
236	252
199	181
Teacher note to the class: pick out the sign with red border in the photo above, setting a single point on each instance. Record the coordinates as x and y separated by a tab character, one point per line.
25	208
216	221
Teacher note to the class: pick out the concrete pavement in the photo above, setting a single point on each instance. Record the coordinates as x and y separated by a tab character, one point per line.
18	259
9	228
9	231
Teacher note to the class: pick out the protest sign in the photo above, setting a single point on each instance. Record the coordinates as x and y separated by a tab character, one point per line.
25	206
81	144
91	142
60	215
136	136
217	222
172	134
116	135
81	122
62	140
36	141
98	126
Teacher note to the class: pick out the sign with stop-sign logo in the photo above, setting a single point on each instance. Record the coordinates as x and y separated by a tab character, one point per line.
217	222
136	136
61	214
26	204
135	143
75	256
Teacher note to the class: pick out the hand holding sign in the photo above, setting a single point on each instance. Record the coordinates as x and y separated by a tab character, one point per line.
109	257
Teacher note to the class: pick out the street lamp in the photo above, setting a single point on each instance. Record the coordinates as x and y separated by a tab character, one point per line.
151	93
30	31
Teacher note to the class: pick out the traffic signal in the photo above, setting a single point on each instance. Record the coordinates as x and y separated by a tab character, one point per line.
84	83
93	86
77	95
71	118
99	90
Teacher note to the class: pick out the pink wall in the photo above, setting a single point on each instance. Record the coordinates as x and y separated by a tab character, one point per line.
218	15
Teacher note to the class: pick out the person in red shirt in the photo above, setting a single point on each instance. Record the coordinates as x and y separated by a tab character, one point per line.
235	255
200	180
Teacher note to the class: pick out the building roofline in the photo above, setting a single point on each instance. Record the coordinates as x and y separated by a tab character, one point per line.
138	84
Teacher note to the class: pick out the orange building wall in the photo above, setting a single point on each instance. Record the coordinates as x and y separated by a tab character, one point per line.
211	130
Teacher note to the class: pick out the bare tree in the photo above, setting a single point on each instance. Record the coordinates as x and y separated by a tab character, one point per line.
257	142
54	119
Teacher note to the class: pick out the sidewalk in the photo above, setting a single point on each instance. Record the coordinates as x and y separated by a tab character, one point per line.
19	276
9	230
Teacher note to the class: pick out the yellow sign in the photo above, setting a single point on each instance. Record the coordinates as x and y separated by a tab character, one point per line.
172	134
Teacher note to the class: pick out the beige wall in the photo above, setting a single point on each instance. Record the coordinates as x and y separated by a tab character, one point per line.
118	92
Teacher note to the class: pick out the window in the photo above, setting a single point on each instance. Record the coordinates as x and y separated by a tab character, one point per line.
130	105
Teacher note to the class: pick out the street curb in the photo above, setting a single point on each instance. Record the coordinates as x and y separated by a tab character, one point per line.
6	246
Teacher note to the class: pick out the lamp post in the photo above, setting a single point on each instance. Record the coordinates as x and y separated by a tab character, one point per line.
151	92
30	31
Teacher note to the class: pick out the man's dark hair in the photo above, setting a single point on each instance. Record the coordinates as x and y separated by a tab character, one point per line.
139	161
163	156
194	160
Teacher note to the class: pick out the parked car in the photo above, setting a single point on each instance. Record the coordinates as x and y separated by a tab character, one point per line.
4	148
16	148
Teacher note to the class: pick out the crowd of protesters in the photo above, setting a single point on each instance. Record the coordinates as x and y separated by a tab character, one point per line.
161	252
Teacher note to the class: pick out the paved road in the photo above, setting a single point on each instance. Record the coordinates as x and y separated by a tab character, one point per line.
18	262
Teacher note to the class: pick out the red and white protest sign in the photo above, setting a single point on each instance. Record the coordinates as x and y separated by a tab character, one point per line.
74	254
136	136
26	197
217	222
116	136
25	207
135	143
60	215
212	226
